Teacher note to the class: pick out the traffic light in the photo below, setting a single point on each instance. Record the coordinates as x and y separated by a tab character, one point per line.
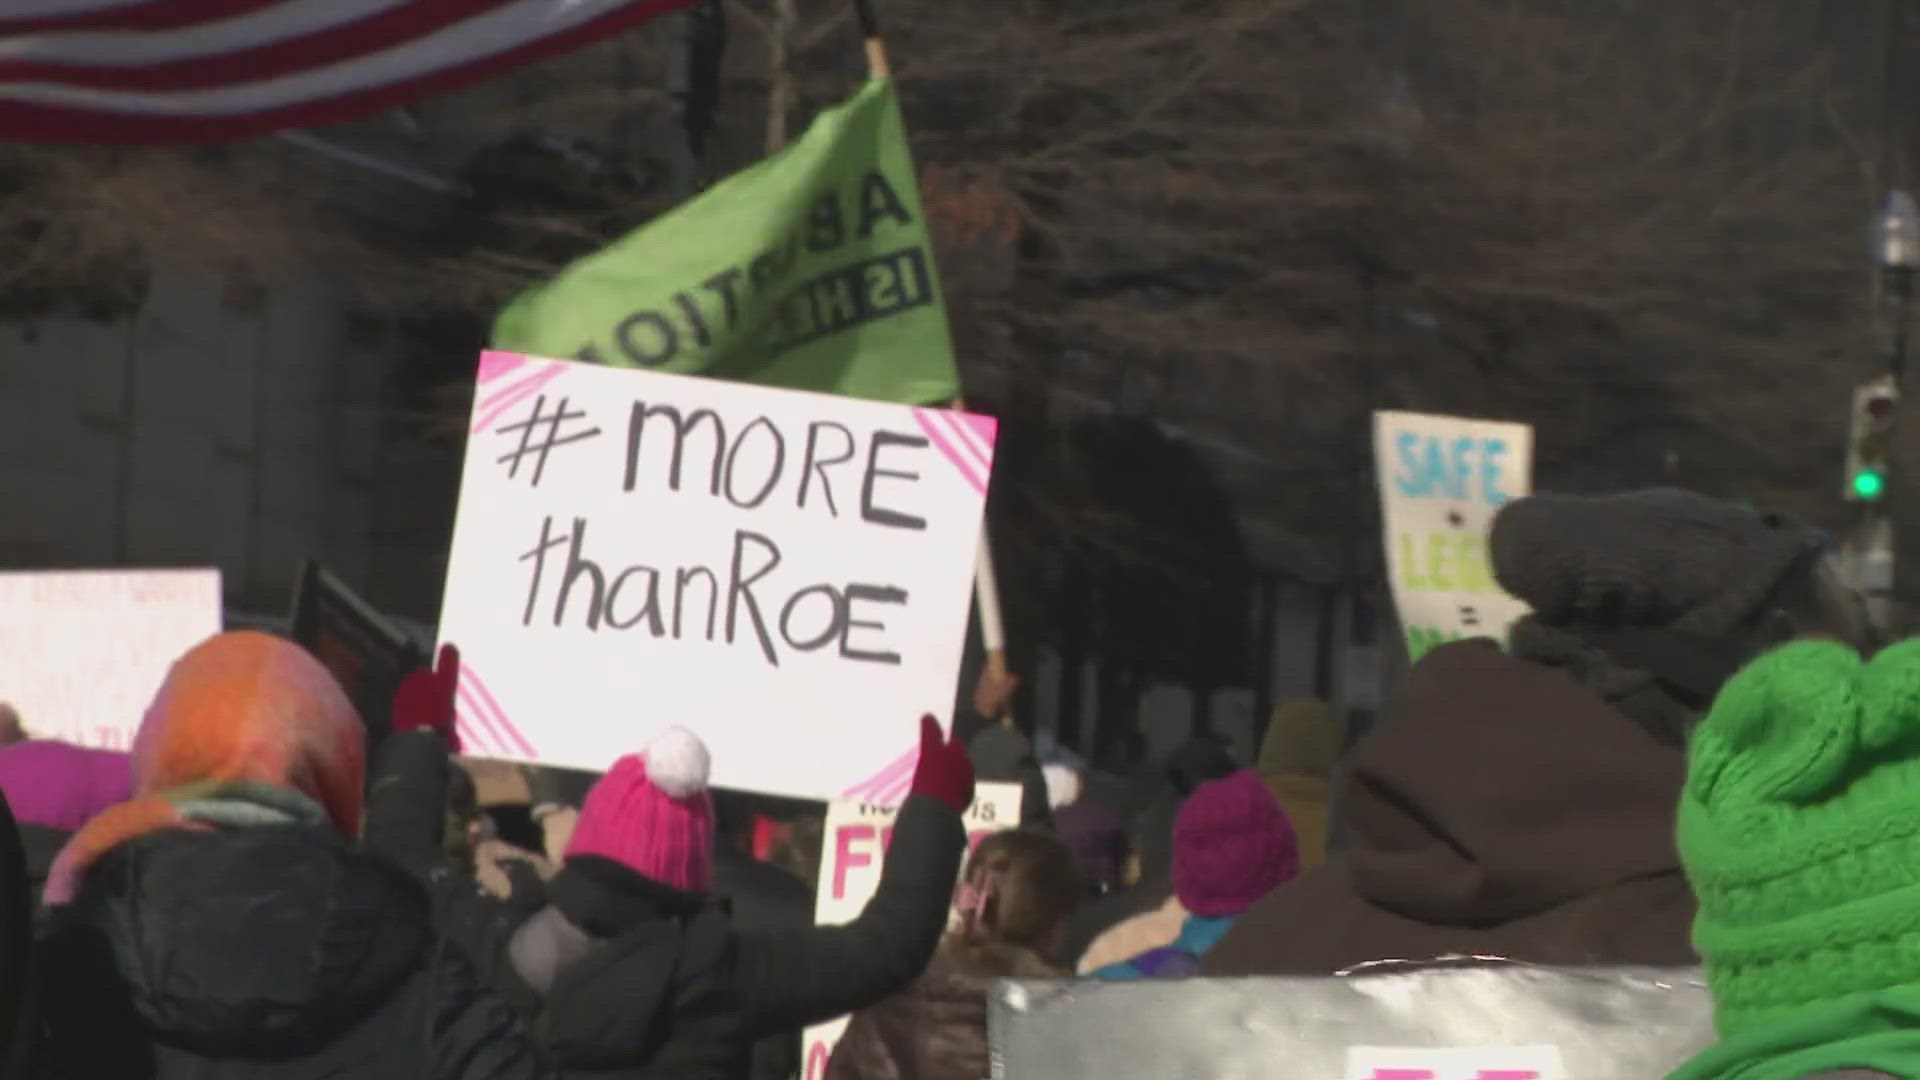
1869	437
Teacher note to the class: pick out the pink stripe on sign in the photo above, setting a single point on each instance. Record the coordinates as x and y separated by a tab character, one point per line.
943	440
877	784
467	674
900	768
486	412
481	720
470	740
508	392
496	734
896	792
964	440
494	364
984	429
963	435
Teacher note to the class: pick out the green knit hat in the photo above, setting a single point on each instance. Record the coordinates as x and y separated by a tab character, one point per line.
1800	830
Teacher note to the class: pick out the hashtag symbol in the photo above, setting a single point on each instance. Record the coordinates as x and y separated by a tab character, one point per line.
552	422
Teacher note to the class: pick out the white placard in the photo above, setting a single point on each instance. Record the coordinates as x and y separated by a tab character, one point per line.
787	574
1441	480
853	845
82	652
1455	1063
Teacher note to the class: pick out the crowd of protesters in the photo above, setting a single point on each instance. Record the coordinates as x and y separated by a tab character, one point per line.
1686	755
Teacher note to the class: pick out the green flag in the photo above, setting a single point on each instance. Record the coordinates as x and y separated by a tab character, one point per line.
811	270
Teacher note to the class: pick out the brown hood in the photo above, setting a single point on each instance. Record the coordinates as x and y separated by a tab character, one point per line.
1505	790
935	1029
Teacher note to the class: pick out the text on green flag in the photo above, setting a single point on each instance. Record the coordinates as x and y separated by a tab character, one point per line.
811	269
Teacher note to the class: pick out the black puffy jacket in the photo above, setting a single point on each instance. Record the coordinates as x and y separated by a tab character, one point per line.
787	979
626	979
16	939
764	899
40	846
268	952
778	980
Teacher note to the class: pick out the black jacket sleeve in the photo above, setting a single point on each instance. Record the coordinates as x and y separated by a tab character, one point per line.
16	942
406	815
41	846
475	1035
405	823
793	978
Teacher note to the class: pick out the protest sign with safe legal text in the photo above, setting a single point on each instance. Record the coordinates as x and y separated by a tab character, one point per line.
1441	480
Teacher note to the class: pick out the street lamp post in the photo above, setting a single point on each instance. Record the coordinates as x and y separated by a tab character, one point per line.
1896	244
1887	543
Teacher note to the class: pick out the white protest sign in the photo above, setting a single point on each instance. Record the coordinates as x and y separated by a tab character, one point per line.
83	652
1454	1063
1441	480
787	574
1448	1019
853	846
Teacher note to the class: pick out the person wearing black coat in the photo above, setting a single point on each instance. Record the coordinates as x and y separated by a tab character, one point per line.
1202	759
40	845
16	942
224	924
632	969
759	896
764	899
163	966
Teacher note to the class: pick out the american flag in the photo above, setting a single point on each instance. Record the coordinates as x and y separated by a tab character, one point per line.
167	71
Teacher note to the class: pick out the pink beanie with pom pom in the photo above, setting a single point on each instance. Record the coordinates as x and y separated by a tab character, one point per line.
652	814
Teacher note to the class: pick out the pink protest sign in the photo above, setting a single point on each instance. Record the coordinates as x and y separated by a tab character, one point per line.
1454	1063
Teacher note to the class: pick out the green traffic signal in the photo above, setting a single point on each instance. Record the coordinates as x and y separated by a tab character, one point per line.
1869	484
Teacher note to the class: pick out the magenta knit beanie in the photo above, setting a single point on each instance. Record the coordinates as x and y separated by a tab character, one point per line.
651	813
1232	844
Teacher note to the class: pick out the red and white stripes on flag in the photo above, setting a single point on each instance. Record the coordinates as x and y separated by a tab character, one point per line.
166	71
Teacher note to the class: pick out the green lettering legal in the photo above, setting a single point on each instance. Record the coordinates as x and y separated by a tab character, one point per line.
1446	562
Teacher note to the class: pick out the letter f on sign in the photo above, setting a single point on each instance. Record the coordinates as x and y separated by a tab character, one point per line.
846	858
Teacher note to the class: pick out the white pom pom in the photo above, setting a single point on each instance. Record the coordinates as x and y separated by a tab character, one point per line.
677	763
1063	785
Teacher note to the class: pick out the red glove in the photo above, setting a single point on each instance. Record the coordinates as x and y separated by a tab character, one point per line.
425	698
944	772
766	833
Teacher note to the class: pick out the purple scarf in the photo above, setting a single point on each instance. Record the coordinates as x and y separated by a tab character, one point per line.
58	785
